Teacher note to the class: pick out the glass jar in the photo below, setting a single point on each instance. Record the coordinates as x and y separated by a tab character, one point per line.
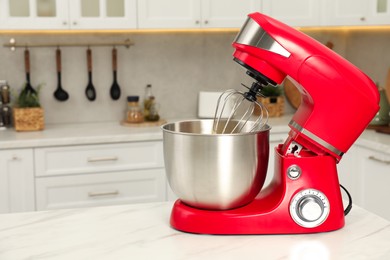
150	106
134	112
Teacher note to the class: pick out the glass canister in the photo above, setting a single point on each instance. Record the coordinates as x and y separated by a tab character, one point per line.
134	112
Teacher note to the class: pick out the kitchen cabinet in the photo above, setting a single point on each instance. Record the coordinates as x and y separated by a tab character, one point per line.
107	188
68	14
294	12
16	181
366	174
375	179
94	175
168	14
349	174
356	12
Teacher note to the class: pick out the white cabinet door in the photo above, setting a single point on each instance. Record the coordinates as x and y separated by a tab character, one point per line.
356	12
16	181
103	14
68	14
159	14
168	14
294	12
375	181
33	14
346	12
349	172
380	11
227	13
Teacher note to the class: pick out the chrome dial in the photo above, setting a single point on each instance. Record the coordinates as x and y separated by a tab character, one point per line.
309	208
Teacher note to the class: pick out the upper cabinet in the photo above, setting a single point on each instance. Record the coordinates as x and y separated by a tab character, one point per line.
68	14
194	13
102	14
294	12
33	14
184	14
356	12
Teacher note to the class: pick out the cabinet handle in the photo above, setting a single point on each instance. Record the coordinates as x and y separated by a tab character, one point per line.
74	23
15	158
362	19
373	158
206	22
98	194
102	159
197	22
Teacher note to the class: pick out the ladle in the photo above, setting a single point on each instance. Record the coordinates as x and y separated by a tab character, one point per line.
90	91
28	90
59	94
115	90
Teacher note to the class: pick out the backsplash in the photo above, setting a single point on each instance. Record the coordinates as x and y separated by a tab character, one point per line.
178	65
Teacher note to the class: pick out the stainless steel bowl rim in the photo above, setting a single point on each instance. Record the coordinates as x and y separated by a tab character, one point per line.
263	129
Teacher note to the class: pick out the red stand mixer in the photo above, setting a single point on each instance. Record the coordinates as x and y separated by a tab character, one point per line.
304	195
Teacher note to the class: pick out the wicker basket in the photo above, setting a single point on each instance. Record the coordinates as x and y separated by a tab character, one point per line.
275	105
29	119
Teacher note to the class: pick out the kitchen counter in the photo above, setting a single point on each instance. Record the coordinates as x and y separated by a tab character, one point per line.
142	231
94	133
113	132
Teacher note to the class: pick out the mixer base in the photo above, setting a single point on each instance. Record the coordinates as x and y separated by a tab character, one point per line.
270	212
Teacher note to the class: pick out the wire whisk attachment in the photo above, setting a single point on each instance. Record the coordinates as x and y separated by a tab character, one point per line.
235	109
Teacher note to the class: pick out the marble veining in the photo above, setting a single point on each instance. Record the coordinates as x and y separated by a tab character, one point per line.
142	231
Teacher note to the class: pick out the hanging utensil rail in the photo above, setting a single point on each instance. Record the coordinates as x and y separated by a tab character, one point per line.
13	45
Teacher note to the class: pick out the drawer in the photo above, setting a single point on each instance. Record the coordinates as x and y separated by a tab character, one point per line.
65	160
86	190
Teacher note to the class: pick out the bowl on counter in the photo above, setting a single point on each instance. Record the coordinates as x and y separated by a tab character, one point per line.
215	171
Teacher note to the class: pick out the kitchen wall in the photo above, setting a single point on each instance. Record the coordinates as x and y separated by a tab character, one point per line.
178	65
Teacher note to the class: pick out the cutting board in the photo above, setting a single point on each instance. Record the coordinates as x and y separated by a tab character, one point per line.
292	93
387	86
144	124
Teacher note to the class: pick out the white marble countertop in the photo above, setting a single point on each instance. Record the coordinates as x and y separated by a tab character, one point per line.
113	132
142	231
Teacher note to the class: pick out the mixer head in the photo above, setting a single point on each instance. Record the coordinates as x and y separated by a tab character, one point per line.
270	50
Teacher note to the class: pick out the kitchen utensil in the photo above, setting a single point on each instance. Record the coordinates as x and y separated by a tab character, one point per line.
115	90
90	91
387	86
60	94
28	90
304	195
216	172
242	111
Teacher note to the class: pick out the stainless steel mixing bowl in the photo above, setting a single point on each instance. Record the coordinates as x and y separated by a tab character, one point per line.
215	171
